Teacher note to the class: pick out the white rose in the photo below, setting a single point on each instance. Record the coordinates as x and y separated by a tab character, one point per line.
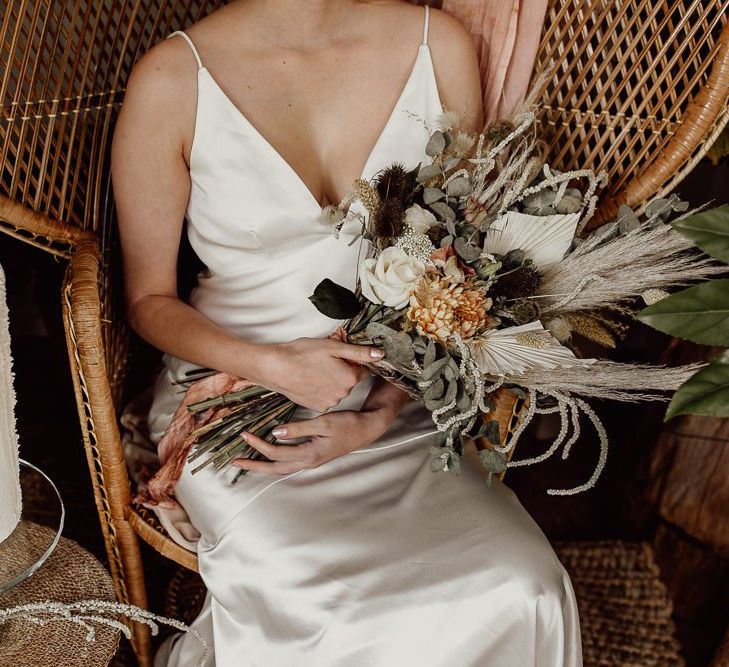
389	278
419	219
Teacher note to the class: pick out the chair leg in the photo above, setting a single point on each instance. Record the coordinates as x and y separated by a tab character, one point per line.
128	576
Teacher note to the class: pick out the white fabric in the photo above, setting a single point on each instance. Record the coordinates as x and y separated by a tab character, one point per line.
11	503
370	559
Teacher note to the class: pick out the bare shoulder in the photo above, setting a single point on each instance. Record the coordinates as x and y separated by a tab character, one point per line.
162	79
456	66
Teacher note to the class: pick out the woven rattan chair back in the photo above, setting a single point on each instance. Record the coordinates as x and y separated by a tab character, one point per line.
638	88
635	87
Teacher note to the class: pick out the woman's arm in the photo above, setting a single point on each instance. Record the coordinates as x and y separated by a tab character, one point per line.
152	185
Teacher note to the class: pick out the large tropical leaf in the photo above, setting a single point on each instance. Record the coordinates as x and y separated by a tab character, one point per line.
705	393
699	314
709	230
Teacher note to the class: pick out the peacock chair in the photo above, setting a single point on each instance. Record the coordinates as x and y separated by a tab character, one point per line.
636	87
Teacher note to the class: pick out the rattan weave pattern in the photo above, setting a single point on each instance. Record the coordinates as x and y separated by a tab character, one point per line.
636	87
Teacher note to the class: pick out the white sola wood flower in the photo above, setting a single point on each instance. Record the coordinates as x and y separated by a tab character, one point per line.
544	238
516	350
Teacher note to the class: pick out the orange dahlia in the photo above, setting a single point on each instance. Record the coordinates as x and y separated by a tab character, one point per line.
441	307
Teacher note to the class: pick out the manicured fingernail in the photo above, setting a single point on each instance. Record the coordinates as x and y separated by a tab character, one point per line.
376	353
279	432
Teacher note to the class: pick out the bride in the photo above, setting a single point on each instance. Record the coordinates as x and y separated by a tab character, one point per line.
342	548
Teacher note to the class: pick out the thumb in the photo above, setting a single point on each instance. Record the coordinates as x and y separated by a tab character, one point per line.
360	354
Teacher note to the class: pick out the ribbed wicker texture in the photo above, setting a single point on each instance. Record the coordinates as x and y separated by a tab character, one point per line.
625	612
636	87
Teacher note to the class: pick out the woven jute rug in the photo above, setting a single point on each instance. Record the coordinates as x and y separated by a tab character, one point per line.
70	574
625	611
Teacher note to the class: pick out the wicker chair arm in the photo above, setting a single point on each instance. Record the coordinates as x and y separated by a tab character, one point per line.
38	229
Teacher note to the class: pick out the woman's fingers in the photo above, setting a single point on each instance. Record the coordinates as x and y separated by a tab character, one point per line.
360	354
301	429
301	453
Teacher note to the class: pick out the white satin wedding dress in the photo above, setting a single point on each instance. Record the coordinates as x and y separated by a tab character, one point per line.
370	559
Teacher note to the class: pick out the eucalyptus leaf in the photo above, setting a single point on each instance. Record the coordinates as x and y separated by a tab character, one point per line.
699	314
429	357
433	397
458	187
492	432
468	251
494	462
335	301
704	393
627	220
427	172
443	210
451	228
454	464
379	330
709	230
450	393
446	241
463	400
434	369
419	345
451	163
398	348
436	144
431	195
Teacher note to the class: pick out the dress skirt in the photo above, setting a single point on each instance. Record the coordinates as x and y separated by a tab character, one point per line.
372	560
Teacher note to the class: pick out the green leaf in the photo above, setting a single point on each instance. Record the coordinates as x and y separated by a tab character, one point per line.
335	301
443	210
468	251
431	195
704	393
427	172
434	369
435	144
398	348
430	351
492	432
458	187
709	230
494	462
699	314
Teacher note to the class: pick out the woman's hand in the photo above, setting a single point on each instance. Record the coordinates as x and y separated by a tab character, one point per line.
313	372
329	435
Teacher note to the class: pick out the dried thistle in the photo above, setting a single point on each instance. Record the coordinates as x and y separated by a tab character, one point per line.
517	284
394	187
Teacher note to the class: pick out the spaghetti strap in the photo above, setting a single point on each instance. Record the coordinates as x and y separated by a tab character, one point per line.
425	24
191	45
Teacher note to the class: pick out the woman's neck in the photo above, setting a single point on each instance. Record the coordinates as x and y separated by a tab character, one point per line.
293	23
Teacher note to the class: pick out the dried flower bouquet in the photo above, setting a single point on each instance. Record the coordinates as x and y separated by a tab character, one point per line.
478	278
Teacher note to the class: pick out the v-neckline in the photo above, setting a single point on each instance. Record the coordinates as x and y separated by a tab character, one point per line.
285	163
